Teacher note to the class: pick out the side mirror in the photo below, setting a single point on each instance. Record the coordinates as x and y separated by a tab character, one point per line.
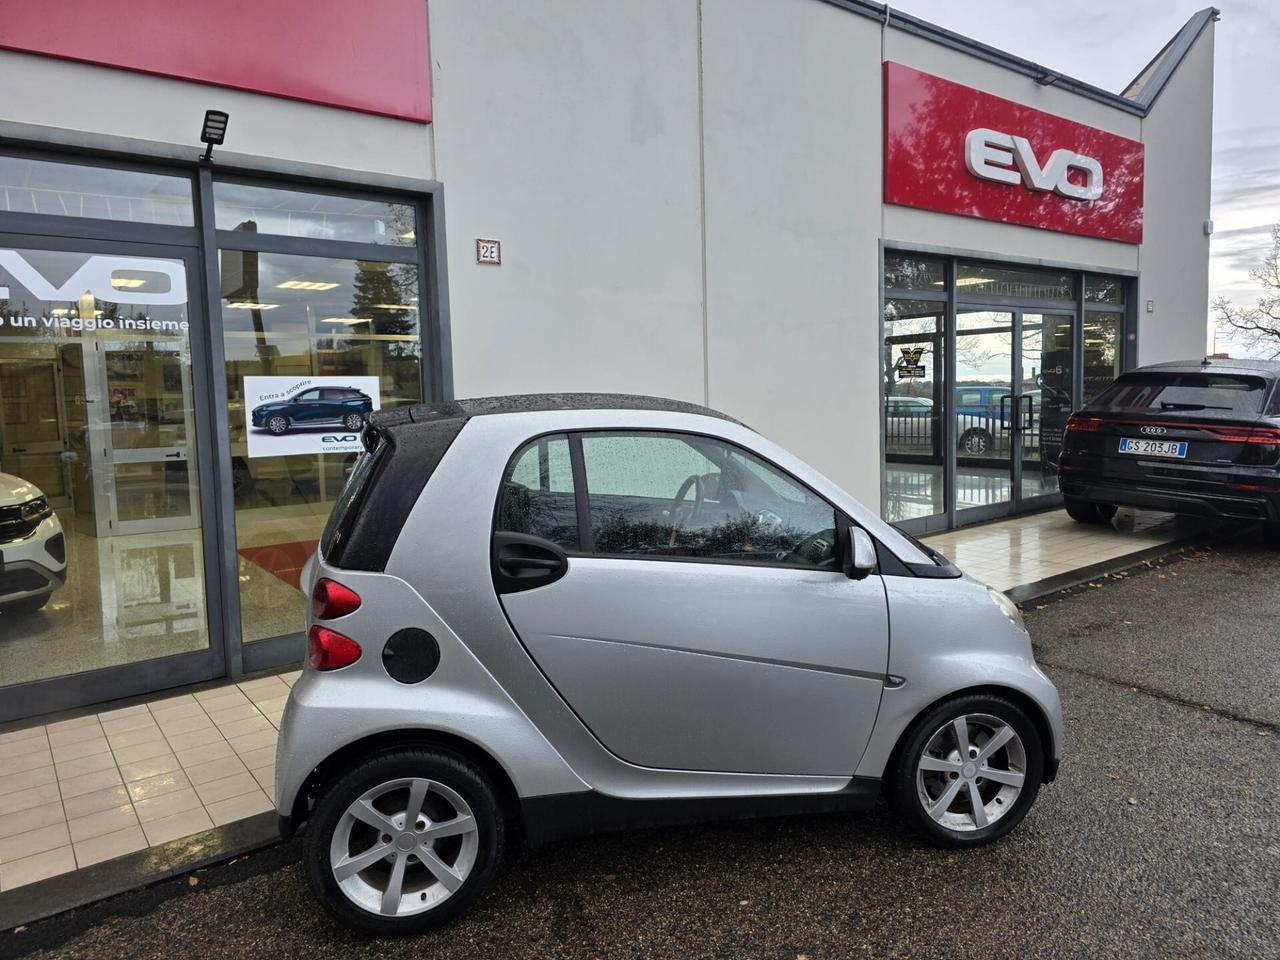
862	560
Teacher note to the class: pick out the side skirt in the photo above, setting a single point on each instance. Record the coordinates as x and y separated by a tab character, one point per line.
562	815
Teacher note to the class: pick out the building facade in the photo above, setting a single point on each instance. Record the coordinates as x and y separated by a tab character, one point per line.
902	254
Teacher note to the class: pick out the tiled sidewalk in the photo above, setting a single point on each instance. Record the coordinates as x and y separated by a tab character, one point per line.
100	786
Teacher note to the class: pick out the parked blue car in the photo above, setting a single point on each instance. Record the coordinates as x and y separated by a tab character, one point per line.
315	407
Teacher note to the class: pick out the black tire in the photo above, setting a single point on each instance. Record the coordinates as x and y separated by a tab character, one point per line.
26	605
902	786
1086	511
459	775
1271	535
277	424
976	442
353	421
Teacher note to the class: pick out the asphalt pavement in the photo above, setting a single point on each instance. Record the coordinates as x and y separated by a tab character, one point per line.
1160	838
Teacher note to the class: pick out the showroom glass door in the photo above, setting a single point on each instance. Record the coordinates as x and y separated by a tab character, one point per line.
984	408
1046	387
99	375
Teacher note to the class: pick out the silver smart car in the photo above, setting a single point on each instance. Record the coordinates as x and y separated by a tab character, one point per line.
559	614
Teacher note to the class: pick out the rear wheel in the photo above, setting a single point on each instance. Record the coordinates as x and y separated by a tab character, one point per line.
1086	511
353	421
404	843
976	442
968	771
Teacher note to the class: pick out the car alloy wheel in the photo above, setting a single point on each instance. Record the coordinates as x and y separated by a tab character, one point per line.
975	442
353	421
278	424
404	847
971	772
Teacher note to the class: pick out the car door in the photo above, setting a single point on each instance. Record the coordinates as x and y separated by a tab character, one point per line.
306	407
700	619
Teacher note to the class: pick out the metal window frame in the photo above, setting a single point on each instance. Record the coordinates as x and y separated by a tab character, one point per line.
198	246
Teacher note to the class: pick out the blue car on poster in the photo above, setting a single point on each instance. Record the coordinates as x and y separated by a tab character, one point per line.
315	406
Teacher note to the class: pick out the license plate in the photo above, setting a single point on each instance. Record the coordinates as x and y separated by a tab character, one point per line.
1154	448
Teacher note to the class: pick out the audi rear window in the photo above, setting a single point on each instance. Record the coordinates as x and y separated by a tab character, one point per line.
1214	394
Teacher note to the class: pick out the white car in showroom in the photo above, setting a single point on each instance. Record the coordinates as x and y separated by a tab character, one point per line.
33	550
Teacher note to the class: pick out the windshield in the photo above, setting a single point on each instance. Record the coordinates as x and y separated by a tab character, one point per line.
1212	393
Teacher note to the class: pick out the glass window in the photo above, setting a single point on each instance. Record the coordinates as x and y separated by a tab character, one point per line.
914	406
537	495
1019	282
903	272
1104	289
337	339
1174	393
683	496
292	213
100	193
1101	351
100	529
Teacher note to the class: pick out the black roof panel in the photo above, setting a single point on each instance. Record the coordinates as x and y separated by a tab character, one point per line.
1269	369
533	403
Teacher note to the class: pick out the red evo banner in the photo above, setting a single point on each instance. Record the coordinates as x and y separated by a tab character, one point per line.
954	149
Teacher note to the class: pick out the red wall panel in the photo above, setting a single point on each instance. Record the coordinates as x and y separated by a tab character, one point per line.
926	122
366	55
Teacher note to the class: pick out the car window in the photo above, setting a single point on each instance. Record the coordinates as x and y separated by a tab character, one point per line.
333	394
683	496
537	496
308	395
1173	393
969	398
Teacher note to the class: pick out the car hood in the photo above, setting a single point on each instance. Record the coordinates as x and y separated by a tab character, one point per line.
16	490
273	405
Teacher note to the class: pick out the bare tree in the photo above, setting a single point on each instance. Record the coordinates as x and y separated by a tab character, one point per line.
1257	327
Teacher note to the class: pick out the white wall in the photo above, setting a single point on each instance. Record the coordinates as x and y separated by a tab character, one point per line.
62	94
568	129
793	131
1175	251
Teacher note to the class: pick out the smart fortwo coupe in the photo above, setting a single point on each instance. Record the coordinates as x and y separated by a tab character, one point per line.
567	613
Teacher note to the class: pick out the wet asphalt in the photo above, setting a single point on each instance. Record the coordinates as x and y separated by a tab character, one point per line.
1160	838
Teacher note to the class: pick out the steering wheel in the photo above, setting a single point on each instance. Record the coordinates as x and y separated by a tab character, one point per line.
678	514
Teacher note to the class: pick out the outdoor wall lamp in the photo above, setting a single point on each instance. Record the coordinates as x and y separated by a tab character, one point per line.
214	131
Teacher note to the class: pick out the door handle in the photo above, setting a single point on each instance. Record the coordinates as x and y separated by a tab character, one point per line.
1005	422
522	562
176	453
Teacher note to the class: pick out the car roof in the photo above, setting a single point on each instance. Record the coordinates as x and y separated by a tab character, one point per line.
1269	369
534	403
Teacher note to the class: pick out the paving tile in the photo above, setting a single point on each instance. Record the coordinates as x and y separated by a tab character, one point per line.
292	677
19	748
142	751
238	728
75	723
252	741
158	785
138	709
214	692
35	841
135	721
133	737
172	709
151	767
275	719
266	777
81	748
96	801
233	786
239	711
40	867
110	845
274	705
102	822
178	825
29	797
180	725
215	770
260	757
237	808
227	701
89	782
28	761
45	815
196	738
90	764
169	703
204	753
26	733
166	805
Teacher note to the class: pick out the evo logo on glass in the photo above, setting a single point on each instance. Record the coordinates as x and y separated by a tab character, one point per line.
1002	158
97	275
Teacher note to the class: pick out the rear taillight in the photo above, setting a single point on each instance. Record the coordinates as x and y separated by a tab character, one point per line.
1268	436
1083	424
330	650
330	600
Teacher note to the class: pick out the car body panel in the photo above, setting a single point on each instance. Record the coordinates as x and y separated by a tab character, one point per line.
31	565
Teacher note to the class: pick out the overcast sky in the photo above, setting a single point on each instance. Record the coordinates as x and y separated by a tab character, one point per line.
1106	43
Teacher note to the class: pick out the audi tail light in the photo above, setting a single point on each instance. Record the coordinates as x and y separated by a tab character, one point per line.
330	600
1268	436
1083	424
330	650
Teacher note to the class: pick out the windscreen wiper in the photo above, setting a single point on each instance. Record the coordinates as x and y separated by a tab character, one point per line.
1166	405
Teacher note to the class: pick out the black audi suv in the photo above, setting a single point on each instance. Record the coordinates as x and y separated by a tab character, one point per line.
1198	437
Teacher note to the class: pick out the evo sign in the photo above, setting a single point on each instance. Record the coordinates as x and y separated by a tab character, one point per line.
97	276
953	149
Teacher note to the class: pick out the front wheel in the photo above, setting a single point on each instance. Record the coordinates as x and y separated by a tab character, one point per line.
1086	511
353	421
404	843
278	424
968	771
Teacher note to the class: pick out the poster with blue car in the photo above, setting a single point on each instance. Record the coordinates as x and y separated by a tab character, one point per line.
291	416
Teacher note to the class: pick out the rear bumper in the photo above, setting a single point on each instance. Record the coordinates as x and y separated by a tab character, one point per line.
1221	503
